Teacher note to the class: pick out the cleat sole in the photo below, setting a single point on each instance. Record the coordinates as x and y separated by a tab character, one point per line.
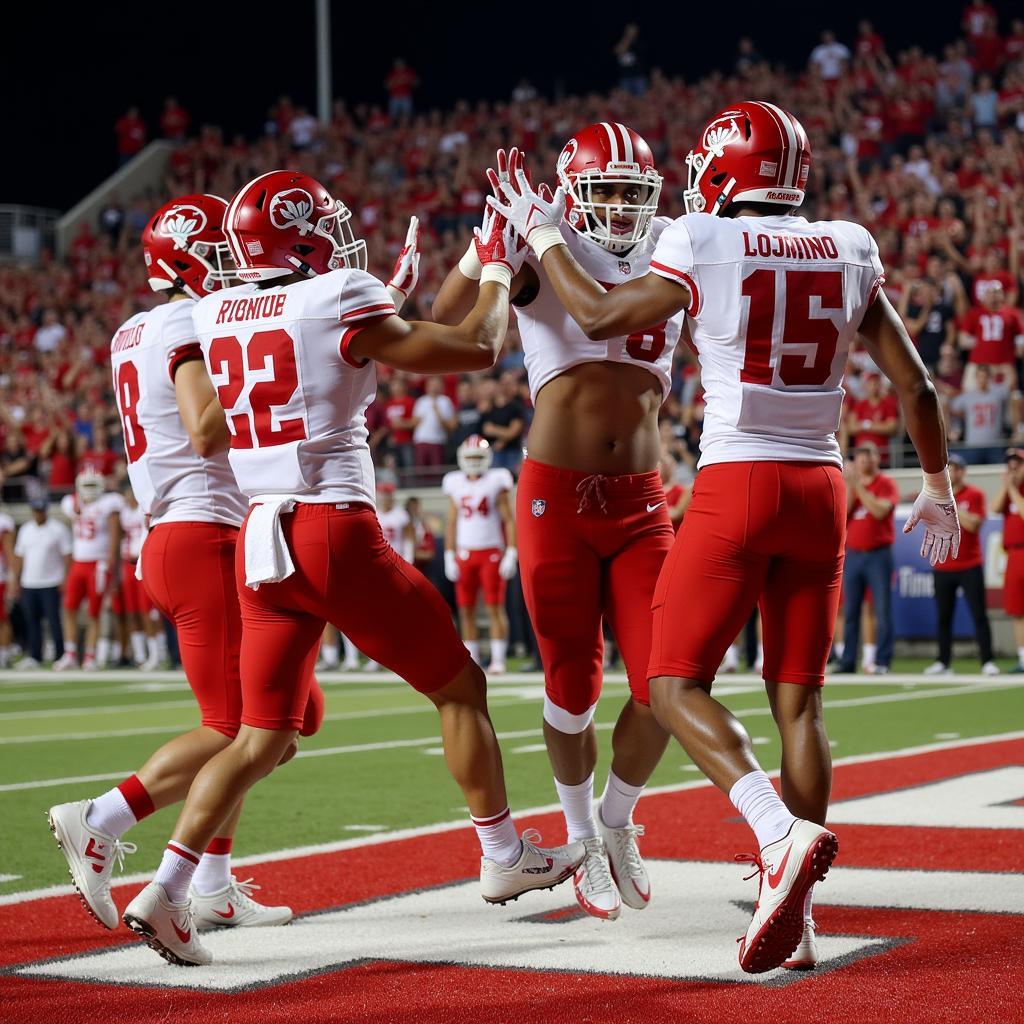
146	933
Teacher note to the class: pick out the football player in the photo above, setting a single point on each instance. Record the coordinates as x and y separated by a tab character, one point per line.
176	443
95	515
480	544
7	532
772	304
291	354
590	508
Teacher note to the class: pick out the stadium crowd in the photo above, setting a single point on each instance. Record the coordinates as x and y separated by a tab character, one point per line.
926	150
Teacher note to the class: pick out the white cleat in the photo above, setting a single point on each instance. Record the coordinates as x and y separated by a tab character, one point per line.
350	666
90	664
938	668
788	868
166	927
990	668
372	666
596	892
150	665
625	862
234	907
537	868
497	668
805	956
27	663
64	662
91	856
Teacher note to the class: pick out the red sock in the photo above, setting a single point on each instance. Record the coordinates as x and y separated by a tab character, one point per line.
135	795
220	845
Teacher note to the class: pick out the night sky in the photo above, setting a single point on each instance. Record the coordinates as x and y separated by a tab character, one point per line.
68	72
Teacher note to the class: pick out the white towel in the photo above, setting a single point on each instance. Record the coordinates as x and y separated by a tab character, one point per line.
267	558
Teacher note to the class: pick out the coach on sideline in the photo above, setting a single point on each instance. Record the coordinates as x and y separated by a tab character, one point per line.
42	554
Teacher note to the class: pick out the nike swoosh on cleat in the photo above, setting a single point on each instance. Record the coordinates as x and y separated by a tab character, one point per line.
651	508
645	896
776	875
183	935
230	912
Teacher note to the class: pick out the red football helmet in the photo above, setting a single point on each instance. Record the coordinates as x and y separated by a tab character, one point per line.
609	154
753	151
185	248
474	455
285	221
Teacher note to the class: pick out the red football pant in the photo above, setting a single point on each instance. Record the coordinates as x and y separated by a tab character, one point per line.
132	599
478	570
1013	583
770	534
188	570
347	574
83	583
589	547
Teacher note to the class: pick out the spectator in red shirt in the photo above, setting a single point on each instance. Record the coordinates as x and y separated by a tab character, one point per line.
964	573
871	499
174	120
1009	503
59	450
978	17
875	418
993	272
131	134
992	332
400	83
398	413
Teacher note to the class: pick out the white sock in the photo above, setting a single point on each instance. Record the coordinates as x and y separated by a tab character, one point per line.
732	657
331	655
110	813
808	900
138	646
102	650
153	648
499	840
213	873
70	648
161	646
115	652
176	871
617	801
838	646
760	656
755	798
351	652
870	653
498	651
578	808
473	646
1020	655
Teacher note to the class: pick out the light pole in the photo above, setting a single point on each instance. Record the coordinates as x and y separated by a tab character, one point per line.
323	61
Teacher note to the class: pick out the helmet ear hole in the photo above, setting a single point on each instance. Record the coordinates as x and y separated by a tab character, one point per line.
718	179
260	200
302	250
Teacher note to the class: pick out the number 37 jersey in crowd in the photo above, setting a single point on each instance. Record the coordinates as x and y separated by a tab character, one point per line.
775	304
295	399
171	482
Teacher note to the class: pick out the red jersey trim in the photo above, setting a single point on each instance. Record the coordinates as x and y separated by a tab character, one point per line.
695	297
381	307
182	354
350	333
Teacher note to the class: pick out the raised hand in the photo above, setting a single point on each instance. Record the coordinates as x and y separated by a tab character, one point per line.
407	266
534	213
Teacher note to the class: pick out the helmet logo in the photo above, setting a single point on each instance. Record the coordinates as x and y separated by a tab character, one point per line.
182	223
568	154
720	133
292	209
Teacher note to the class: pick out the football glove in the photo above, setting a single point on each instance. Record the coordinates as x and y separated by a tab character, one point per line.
451	566
535	216
936	509
407	267
509	560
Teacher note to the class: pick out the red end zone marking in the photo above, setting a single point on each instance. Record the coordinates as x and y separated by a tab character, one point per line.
936	977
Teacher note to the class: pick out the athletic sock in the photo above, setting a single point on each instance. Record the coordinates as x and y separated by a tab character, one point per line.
499	648
351	652
838	646
176	871
1020	655
70	648
617	801
115	653
499	840
153	649
102	650
138	646
870	654
473	646
578	807
214	871
161	646
755	798
331	655
118	809
732	657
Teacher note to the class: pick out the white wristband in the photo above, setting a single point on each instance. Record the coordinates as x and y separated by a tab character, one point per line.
498	273
469	265
544	237
937	486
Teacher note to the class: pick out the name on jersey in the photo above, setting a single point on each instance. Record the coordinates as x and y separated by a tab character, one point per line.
790	246
127	337
255	308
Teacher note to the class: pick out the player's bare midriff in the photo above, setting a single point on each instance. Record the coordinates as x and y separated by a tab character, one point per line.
598	417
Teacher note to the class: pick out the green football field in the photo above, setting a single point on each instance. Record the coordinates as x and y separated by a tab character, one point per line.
376	763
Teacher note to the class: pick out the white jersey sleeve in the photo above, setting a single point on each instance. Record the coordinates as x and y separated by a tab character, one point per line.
673	259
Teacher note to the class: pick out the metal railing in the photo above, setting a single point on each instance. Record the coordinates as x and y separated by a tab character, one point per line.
26	232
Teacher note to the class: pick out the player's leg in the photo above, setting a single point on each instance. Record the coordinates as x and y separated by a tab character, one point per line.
945	605
854	582
467	589
75	592
879	576
494	587
330	653
973	582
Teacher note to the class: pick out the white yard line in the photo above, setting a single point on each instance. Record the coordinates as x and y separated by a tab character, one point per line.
450	826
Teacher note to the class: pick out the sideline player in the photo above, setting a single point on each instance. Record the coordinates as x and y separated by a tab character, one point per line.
480	545
590	507
291	356
773	303
175	441
95	515
139	634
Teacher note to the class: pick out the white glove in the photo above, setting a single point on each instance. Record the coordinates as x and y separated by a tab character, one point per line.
936	508
535	217
407	266
451	566
507	568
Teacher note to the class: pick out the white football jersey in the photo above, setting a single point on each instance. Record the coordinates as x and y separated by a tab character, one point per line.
133	532
295	400
479	525
6	526
553	342
172	484
90	525
393	525
776	302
